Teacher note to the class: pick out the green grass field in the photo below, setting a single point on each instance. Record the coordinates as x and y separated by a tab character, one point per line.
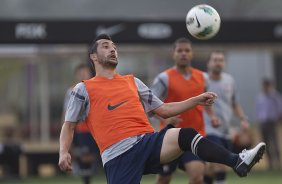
258	177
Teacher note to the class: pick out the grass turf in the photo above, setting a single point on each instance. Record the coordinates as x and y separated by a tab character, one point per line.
258	177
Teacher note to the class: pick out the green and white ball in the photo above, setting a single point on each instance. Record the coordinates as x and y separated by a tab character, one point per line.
203	22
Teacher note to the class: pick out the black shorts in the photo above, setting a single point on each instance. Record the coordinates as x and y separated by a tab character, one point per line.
142	158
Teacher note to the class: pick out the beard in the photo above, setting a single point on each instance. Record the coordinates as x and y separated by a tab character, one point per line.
107	63
217	70
183	64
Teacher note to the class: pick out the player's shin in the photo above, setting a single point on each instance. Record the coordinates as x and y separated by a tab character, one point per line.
190	140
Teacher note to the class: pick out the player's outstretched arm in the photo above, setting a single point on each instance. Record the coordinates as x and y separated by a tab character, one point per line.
66	138
168	110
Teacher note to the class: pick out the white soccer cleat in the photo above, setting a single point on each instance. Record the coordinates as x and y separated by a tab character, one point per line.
248	158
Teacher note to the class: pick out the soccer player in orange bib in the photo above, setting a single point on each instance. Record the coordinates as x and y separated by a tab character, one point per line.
114	108
85	150
178	83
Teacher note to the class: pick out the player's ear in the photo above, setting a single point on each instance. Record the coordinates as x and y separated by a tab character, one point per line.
93	56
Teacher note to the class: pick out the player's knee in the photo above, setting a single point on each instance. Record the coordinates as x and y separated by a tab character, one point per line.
187	138
195	171
196	179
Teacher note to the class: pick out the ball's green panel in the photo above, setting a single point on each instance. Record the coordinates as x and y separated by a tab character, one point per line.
208	30
206	10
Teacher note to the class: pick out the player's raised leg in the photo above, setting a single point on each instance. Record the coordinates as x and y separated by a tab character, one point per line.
177	140
170	147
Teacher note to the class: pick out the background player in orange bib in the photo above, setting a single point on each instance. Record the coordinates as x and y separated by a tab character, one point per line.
178	83
85	150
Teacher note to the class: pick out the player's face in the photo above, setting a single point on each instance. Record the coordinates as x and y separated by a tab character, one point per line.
107	53
183	54
266	87
216	63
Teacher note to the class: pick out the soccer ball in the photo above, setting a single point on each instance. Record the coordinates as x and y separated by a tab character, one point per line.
203	22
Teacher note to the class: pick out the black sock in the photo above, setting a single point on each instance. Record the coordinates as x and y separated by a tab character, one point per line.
220	176
190	140
208	179
86	179
212	152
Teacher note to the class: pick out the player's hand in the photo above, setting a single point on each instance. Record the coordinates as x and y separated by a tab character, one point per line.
215	121
245	124
207	98
65	162
173	120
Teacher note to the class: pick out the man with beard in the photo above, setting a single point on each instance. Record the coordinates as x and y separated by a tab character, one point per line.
114	108
227	104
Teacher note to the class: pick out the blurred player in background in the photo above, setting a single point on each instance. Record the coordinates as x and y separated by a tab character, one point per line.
85	148
269	112
178	83
227	103
114	107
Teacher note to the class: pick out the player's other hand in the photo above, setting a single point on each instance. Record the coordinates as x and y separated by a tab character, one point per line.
245	125
65	162
215	121
207	98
